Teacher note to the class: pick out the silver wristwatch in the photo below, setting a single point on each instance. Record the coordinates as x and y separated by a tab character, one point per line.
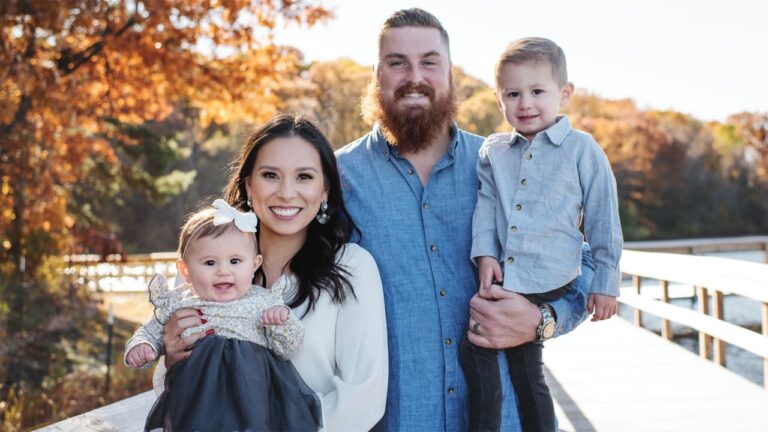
546	328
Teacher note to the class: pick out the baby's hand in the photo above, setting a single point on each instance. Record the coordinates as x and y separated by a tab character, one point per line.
275	315
140	355
602	306
489	271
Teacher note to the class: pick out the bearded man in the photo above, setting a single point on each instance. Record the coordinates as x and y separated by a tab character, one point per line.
411	187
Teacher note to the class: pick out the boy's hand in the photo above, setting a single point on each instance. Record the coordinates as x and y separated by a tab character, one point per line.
140	355
275	315
489	270
602	306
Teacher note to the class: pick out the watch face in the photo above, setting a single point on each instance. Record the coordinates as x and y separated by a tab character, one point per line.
549	330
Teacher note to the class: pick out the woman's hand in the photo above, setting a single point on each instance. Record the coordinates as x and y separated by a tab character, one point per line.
176	347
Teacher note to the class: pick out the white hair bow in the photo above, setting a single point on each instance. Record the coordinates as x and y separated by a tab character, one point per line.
225	213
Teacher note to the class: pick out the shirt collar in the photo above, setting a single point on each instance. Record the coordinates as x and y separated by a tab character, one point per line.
379	143
555	133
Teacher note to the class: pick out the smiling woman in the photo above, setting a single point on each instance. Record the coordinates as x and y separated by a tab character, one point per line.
286	173
287	188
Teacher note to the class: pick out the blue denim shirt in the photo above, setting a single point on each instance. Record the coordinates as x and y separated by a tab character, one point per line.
532	199
420	237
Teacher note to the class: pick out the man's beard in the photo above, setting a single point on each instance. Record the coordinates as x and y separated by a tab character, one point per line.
413	128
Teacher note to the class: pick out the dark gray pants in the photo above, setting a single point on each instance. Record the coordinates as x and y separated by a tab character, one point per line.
526	369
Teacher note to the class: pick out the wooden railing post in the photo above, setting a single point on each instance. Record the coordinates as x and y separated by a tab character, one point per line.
765	248
666	327
765	333
717	312
636	281
704	339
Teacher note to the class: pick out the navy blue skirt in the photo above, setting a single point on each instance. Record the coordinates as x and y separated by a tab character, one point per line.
234	385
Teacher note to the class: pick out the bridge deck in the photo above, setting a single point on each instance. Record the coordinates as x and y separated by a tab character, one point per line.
613	376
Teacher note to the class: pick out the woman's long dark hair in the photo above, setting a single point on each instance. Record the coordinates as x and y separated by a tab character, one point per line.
315	263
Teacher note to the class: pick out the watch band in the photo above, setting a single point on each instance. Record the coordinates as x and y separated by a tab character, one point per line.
546	328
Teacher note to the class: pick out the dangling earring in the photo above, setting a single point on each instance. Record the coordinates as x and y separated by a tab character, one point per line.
322	217
249	203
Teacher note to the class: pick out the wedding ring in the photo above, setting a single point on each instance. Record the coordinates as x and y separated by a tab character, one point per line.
476	328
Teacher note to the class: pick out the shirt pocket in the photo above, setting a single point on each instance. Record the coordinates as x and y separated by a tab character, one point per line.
563	196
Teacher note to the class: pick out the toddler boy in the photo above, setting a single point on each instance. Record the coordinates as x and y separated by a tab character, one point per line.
537	185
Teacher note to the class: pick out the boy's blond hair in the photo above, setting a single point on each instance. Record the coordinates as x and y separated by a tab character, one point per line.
535	49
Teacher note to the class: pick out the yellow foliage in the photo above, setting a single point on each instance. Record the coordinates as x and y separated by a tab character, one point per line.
67	69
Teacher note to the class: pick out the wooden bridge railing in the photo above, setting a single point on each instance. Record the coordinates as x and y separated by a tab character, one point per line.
703	245
712	277
114	272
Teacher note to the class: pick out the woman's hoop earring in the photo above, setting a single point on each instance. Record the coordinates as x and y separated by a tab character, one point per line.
249	203
322	217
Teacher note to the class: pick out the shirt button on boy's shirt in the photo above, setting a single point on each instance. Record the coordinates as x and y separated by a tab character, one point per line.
433	248
443	293
519	207
523	182
511	260
513	228
529	156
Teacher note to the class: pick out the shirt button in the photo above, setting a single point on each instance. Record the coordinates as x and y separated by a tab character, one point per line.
410	172
518	207
425	206
433	248
511	260
448	341
529	156
523	182
451	390
513	228
443	293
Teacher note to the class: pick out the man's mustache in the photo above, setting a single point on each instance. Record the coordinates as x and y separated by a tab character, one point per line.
415	88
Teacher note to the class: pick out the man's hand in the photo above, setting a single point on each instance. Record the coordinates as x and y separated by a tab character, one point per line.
602	306
176	347
275	315
505	320
488	270
140	355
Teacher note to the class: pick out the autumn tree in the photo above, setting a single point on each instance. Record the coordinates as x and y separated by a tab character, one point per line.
752	128
647	162
478	111
70	71
338	88
749	165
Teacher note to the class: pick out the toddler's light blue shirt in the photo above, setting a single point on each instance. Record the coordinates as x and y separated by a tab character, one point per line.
532	199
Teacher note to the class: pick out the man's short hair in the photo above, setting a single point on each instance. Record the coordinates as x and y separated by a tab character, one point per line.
535	49
413	17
